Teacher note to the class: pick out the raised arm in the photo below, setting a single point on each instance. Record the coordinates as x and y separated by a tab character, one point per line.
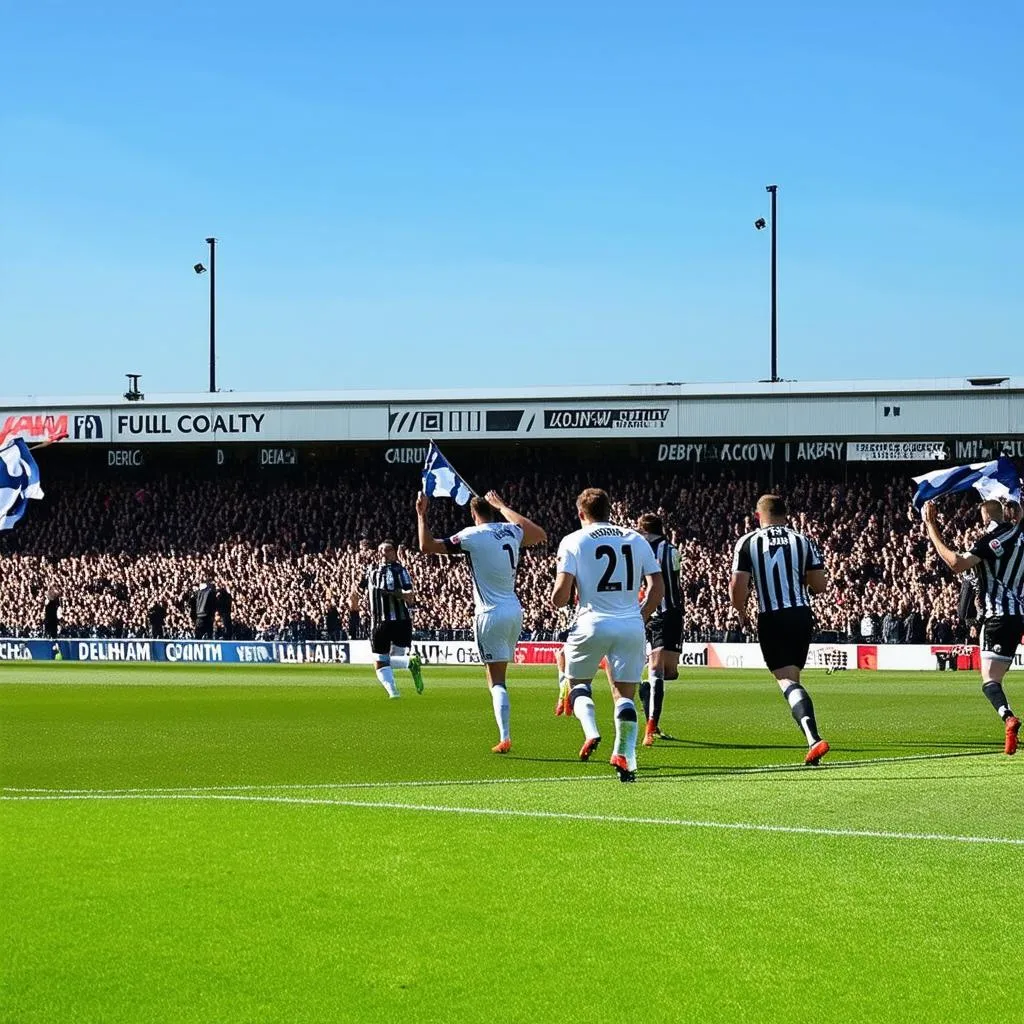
532	533
428	544
957	562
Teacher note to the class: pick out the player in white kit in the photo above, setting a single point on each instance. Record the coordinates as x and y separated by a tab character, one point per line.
491	546
608	564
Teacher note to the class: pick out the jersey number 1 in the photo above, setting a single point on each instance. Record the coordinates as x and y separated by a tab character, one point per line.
606	583
511	555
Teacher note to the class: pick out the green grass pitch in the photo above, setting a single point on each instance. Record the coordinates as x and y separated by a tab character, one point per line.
285	844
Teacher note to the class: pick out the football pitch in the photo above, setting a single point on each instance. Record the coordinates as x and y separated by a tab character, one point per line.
235	844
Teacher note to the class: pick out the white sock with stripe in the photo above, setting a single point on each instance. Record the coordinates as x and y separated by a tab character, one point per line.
625	731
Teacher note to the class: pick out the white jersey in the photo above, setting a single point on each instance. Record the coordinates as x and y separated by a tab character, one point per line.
609	563
492	550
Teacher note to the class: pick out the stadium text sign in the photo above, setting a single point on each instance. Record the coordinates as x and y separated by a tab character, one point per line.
405	456
583	419
713	451
980	449
185	425
752	451
605	419
919	657
896	451
48	426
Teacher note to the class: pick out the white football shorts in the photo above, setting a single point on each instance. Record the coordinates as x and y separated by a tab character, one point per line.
497	633
623	641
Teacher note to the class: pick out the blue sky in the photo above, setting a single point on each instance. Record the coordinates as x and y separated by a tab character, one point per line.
470	194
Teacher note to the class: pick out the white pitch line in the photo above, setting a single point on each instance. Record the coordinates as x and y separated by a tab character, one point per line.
603	819
671	775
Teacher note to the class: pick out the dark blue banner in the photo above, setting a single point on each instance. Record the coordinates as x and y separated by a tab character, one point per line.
177	651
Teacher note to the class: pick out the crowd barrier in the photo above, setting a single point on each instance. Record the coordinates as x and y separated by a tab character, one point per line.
357	652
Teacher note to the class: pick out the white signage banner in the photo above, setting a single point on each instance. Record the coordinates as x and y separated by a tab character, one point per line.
431	652
585	418
896	451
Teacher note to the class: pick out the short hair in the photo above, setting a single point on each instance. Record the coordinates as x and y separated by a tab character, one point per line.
649	522
386	543
994	509
595	504
772	506
484	509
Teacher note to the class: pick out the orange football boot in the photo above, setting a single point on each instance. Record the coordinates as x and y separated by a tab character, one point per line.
816	753
1012	728
621	766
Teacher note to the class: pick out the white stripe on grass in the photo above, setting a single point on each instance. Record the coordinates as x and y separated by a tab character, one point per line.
668	774
504	812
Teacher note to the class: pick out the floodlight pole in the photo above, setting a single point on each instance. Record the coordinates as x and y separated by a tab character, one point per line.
774	191
212	242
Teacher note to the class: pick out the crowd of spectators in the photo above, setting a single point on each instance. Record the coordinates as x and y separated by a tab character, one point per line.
125	557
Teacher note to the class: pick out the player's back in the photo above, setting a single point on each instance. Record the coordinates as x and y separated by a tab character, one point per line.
1000	573
493	550
609	563
778	558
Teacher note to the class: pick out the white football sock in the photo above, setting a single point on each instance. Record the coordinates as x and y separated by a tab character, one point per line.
387	680
625	732
399	661
583	708
502	710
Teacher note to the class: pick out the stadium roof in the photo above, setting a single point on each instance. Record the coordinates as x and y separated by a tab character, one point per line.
669	389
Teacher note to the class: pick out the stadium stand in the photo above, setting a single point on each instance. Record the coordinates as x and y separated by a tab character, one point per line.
289	545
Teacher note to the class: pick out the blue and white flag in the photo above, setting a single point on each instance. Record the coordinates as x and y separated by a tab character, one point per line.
440	479
19	481
997	479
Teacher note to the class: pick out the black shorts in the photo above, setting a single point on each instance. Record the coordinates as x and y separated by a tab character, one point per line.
665	631
785	637
393	633
1000	636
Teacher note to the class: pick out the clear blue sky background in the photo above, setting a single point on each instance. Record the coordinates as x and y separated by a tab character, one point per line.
474	194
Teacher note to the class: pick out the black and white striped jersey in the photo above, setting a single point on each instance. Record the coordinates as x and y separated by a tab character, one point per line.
384	584
778	559
1000	573
670	561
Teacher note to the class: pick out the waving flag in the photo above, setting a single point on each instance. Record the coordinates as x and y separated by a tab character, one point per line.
19	481
440	479
996	479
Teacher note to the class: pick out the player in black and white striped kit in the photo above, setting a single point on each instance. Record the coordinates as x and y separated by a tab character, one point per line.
664	628
783	566
389	586
997	557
